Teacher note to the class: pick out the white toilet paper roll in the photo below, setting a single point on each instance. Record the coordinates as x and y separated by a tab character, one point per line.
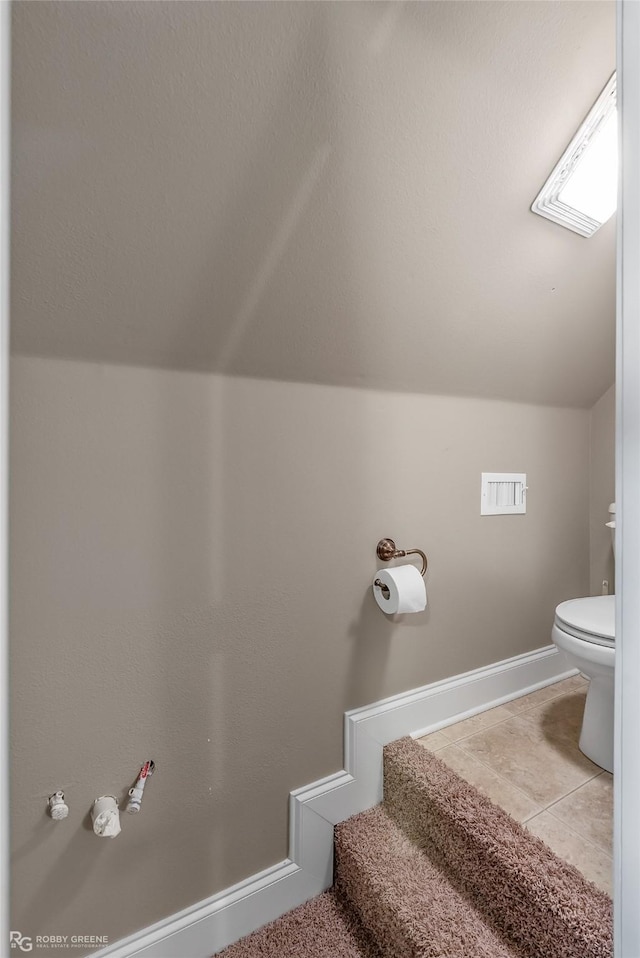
407	591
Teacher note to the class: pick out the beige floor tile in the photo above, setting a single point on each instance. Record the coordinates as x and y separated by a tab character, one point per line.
433	741
545	767
589	811
524	756
511	799
593	862
476	723
559	718
544	695
578	681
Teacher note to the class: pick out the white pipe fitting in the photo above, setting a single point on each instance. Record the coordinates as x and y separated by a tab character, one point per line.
136	793
58	809
105	816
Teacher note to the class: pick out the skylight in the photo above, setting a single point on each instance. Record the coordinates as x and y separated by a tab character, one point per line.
581	192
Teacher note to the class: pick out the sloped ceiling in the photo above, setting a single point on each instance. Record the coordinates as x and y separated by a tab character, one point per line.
322	192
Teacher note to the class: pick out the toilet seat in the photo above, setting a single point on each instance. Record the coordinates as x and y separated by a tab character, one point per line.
591	619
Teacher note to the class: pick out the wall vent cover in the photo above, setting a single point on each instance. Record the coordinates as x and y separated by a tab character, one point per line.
503	494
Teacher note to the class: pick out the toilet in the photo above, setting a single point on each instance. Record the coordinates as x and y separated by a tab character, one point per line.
585	630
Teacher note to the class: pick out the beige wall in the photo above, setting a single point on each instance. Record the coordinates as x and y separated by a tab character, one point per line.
257	189
191	562
602	491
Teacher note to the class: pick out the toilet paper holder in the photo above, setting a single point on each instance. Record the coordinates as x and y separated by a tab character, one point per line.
386	550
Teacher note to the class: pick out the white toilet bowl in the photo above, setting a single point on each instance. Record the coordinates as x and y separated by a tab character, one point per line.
585	630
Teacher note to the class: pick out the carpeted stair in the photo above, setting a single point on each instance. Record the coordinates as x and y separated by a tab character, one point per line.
439	871
321	928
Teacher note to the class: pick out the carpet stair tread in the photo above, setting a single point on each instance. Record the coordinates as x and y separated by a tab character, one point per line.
321	928
409	903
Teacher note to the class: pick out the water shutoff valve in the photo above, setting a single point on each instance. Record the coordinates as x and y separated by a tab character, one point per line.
136	793
58	808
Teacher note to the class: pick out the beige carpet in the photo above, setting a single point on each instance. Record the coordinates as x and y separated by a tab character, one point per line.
321	928
439	871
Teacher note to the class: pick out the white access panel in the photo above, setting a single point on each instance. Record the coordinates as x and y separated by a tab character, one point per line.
503	494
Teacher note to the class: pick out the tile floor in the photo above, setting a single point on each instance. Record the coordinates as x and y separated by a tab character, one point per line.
524	756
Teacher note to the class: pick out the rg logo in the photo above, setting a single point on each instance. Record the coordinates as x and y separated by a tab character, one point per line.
20	941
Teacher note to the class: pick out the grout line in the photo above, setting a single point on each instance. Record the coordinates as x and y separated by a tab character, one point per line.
572	790
477	731
486	728
558	819
501	721
551	698
501	777
547	808
584	838
566	795
525	821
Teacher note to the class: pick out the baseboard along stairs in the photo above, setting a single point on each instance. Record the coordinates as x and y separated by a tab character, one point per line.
396	856
438	871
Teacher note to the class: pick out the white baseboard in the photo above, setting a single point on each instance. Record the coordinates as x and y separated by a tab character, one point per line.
208	926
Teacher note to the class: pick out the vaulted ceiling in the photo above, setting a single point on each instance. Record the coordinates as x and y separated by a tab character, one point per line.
323	192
